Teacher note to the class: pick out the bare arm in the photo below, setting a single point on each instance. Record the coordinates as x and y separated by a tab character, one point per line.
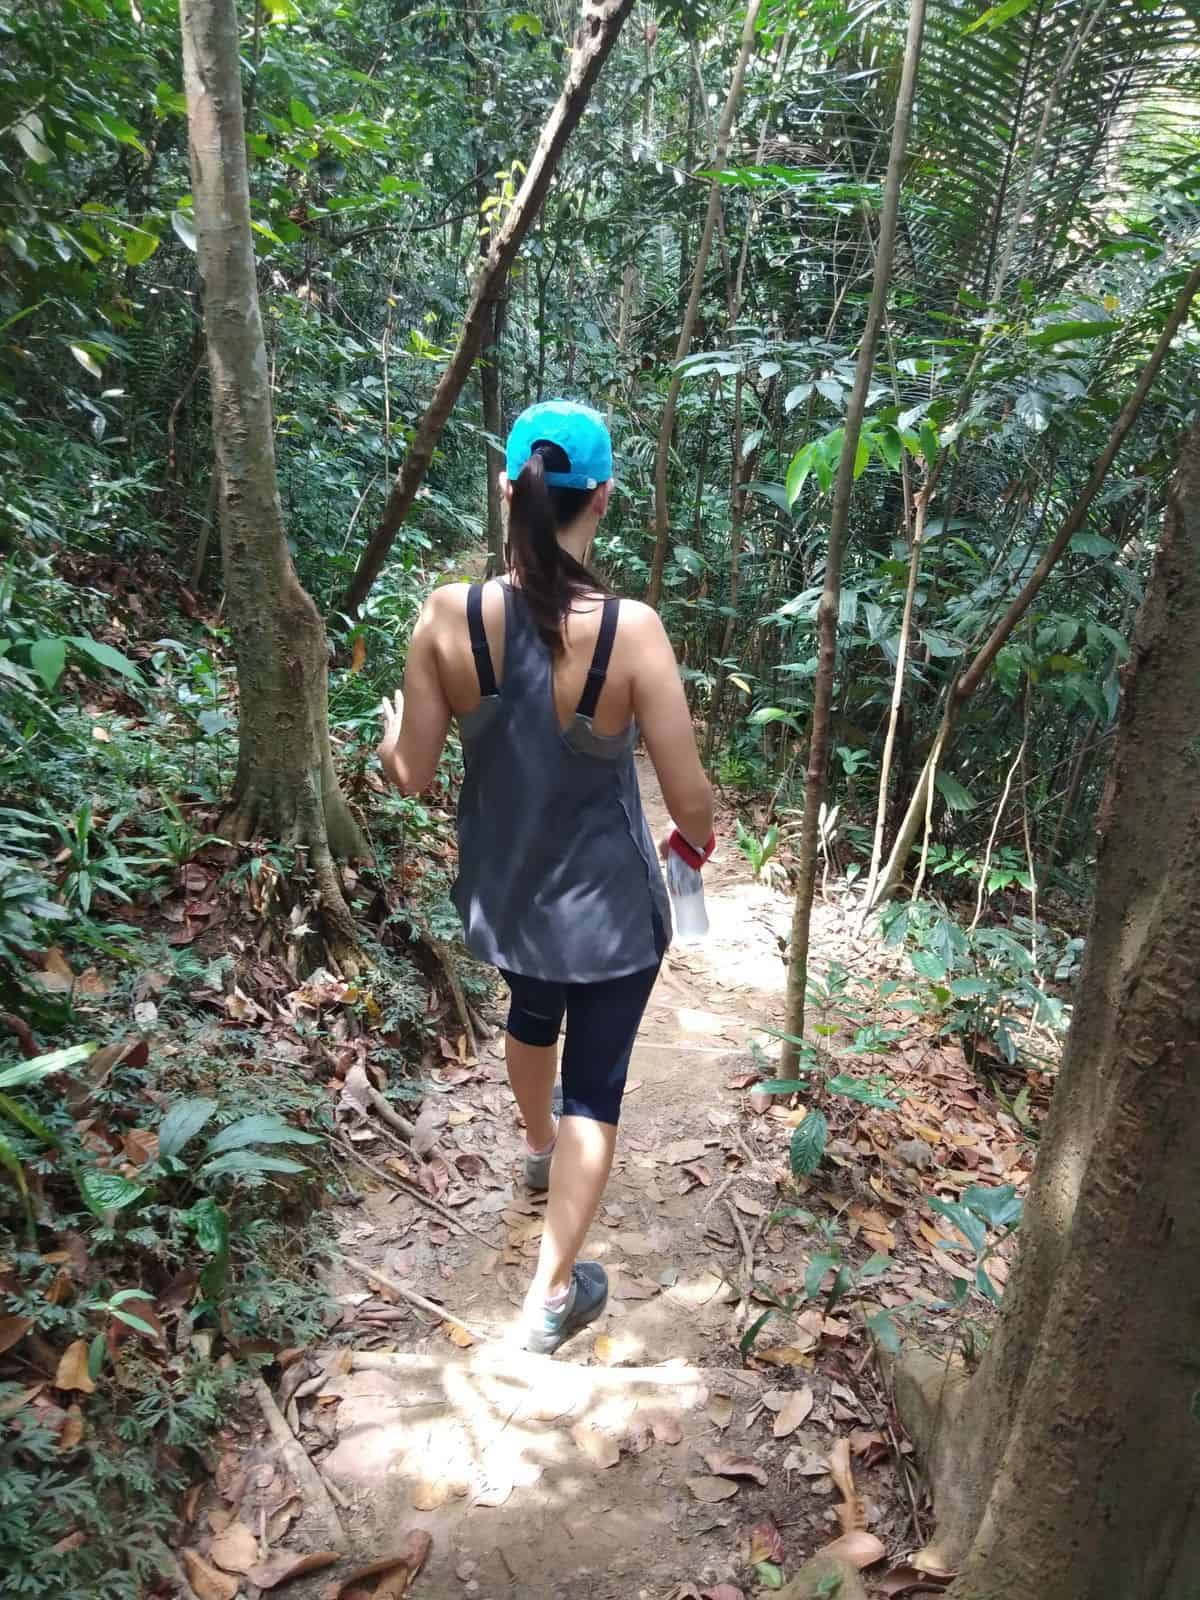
661	709
415	729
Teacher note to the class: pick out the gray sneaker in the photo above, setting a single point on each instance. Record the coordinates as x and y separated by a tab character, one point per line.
586	1299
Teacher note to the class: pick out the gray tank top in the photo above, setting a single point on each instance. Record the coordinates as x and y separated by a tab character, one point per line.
558	875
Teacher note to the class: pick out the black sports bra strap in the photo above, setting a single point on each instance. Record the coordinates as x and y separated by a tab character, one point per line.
598	670
479	641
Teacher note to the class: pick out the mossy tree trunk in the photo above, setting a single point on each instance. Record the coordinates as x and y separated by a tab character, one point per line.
285	788
1066	1468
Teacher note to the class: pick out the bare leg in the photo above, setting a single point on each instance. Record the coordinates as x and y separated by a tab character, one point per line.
531	1071
582	1160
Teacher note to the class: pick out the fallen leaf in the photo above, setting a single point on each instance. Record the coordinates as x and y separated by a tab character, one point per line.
73	1369
281	1519
710	1490
793	1412
600	1448
72	1429
720	1410
697	1170
140	1146
666	1427
726	1465
13	1330
850	1513
859	1548
358	653
286	1565
788	1355
457	1335
764	1543
723	1591
907	1580
683	1150
235	1550
72	1541
206	1581
430	1493
396	1572
748	1207
875	1229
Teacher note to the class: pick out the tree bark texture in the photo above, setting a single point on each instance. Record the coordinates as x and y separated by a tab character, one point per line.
1072	1467
969	681
666	430
285	785
602	22
839	521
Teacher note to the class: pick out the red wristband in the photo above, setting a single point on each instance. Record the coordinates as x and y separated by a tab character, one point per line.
686	851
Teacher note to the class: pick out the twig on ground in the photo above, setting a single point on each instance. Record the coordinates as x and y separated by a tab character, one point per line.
406	1186
299	1465
390	1115
719	1191
413	1298
747	1262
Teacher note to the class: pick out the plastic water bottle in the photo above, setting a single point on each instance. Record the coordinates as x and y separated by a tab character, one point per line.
686	887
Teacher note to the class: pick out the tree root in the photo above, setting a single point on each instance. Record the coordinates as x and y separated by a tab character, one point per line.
931	1397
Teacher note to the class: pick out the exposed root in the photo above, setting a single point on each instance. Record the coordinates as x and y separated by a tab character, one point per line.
931	1398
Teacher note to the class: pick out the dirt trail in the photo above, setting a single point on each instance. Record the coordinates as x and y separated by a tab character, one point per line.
533	1477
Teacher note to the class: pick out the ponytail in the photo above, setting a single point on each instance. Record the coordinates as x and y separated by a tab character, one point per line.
550	577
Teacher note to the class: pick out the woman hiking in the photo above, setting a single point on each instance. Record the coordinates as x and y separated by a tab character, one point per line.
552	679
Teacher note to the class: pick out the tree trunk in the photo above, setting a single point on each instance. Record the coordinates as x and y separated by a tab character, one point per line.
1068	1470
666	429
285	785
830	605
966	685
492	396
602	22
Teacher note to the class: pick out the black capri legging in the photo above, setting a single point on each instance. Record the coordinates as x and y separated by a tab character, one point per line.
602	1024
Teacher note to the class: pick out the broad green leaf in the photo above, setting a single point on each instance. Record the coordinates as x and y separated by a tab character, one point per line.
134	1321
875	1267
768	714
969	988
105	655
10	1159
798	471
182	1123
999	1205
301	116
30	134
969	1225
930	447
1063	332
862	456
795	396
249	1162
48	657
885	1331
997	14
953	793
87	361
816	1269
108	1191
746	1342
890	446
782	1086
140	246
24	1118
808	1144
854	1089
768	1574
263	1127
42	1066
690	560
526	22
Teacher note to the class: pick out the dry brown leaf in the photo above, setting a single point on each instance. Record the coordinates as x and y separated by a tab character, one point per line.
395	1572
207	1582
358	653
73	1369
748	1207
850	1513
235	1550
727	1465
457	1335
764	1543
875	1229
720	1410
72	1428
859	1548
600	1448
281	1519
907	1580
723	1591
13	1330
697	1170
666	1427
710	1490
286	1565
681	1151
788	1355
430	1493
793	1412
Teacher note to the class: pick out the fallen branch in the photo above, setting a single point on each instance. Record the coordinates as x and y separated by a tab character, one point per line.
390	1115
406	1186
747	1261
414	1299
301	1468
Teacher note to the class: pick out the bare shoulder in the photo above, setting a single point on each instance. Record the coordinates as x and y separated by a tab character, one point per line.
641	620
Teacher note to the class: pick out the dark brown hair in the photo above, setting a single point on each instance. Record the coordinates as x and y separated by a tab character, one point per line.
550	577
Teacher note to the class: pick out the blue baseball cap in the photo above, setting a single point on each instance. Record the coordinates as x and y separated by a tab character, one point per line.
578	431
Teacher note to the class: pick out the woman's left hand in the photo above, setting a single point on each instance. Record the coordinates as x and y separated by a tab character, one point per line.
393	717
